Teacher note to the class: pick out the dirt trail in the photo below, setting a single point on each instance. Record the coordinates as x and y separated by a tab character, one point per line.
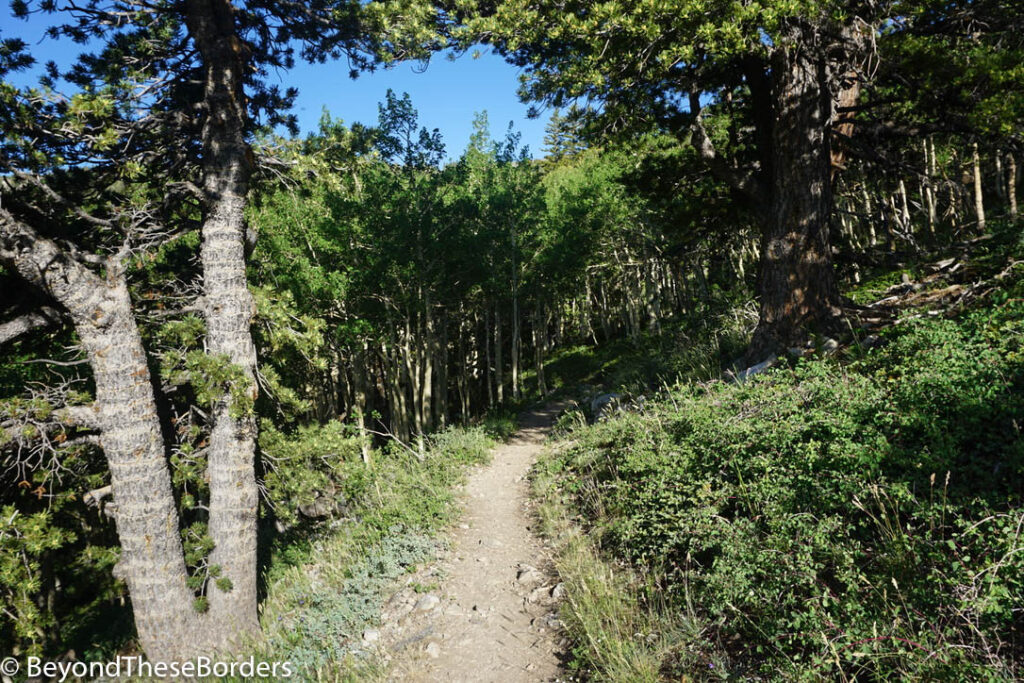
490	611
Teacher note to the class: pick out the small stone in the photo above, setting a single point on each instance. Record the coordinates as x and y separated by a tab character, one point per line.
371	635
463	526
433	650
427	603
558	592
830	345
401	597
528	576
541	594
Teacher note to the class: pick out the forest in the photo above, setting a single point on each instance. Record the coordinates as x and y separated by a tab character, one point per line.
764	276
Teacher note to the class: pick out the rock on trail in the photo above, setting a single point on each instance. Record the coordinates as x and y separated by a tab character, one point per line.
492	615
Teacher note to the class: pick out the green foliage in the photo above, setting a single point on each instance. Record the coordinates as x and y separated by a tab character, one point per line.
500	424
313	459
24	542
323	625
324	591
828	521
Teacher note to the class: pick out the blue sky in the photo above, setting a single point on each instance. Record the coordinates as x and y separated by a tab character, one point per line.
446	94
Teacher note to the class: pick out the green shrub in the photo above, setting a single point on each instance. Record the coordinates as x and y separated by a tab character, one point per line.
830	522
326	580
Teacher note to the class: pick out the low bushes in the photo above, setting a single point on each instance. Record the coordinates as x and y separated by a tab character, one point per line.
325	587
858	520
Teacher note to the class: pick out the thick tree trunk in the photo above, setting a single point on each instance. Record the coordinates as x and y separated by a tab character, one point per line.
152	562
229	309
797	282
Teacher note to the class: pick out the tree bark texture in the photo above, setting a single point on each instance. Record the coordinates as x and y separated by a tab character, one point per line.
152	562
229	310
797	281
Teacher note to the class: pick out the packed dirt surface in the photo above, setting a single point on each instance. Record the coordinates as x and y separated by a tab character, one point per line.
487	611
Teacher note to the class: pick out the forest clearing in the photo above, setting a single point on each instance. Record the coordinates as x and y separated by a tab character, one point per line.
722	382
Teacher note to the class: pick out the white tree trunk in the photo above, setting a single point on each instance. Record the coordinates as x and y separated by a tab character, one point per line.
1011	184
979	201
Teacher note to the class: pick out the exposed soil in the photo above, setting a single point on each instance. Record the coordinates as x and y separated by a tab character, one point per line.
487	611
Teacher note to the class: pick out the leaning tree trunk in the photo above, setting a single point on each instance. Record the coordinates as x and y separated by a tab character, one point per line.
152	562
229	309
797	282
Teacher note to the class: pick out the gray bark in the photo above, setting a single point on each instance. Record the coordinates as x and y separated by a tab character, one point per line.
929	195
23	324
229	310
152	563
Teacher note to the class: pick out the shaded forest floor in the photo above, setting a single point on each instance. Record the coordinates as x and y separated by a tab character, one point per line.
853	511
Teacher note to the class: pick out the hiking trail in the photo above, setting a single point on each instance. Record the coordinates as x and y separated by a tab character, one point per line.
487	609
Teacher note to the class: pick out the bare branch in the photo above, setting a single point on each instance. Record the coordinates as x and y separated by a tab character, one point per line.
95	497
80	416
44	317
743	182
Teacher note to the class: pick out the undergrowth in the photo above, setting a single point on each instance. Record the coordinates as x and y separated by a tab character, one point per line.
840	520
325	588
